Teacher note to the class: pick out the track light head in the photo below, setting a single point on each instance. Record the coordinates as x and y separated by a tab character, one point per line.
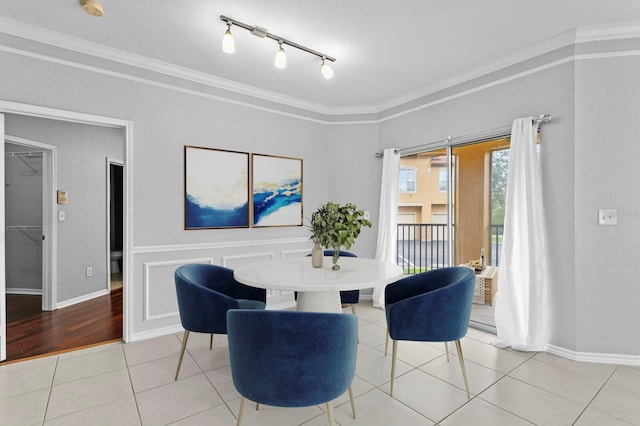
327	71
281	57
228	45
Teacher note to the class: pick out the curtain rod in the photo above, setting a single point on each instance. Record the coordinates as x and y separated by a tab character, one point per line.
542	118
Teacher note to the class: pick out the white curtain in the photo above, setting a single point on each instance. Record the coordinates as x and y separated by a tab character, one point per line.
521	303
388	219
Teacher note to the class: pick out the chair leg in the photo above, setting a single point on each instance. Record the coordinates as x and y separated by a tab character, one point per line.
386	343
211	342
330	412
243	400
184	346
446	350
353	405
393	365
464	370
353	308
257	406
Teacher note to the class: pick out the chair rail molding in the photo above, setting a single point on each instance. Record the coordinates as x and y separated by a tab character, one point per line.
169	248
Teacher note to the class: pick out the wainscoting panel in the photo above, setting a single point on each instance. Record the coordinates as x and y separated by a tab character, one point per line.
151	287
295	253
236	260
159	283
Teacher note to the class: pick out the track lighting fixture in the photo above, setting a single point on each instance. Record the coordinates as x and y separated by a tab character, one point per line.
228	45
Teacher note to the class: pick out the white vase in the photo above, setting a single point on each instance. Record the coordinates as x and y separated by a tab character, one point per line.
316	256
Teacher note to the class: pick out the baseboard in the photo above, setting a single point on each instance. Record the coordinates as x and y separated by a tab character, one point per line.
156	332
282	306
24	291
598	358
81	299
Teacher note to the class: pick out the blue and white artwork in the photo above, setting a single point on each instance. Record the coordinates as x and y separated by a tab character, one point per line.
216	188
277	191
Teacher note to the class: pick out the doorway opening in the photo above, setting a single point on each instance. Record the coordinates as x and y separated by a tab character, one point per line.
19	115
115	228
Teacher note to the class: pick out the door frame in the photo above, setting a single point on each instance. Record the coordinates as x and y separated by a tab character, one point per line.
49	228
8	107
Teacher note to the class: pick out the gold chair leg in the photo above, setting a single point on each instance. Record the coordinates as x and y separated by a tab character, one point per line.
446	349
386	343
243	400
257	406
330	412
184	346
211	342
393	365
353	405
464	370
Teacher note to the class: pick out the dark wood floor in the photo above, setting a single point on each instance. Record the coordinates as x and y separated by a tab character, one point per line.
33	332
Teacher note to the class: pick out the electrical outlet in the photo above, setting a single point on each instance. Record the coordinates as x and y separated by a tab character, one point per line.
89	271
366	215
608	217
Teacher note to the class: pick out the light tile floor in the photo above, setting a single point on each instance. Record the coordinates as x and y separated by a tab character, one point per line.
132	384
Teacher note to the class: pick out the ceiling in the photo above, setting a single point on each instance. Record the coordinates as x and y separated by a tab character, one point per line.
387	51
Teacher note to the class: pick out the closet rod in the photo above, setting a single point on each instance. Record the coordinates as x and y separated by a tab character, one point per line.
23	154
542	118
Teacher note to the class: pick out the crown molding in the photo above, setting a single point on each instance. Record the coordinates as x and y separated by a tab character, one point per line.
561	40
593	33
579	35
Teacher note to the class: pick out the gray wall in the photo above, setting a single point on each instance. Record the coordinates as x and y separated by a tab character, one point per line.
588	152
607	285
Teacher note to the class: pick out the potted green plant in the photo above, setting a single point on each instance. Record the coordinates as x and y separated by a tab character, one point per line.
334	226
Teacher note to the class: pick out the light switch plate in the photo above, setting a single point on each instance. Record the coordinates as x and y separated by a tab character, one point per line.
607	217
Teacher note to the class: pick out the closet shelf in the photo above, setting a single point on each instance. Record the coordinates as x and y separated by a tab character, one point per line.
23	228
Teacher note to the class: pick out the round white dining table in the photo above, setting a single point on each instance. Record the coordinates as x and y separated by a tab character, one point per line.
318	288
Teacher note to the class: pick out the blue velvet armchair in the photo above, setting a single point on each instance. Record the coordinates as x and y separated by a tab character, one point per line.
433	306
347	297
205	294
292	359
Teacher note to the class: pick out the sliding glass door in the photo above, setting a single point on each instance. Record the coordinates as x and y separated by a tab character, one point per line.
451	210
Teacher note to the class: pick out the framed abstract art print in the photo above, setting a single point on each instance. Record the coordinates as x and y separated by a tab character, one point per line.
216	187
276	190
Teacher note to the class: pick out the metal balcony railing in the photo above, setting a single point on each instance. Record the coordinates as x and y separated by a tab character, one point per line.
497	231
422	247
425	246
